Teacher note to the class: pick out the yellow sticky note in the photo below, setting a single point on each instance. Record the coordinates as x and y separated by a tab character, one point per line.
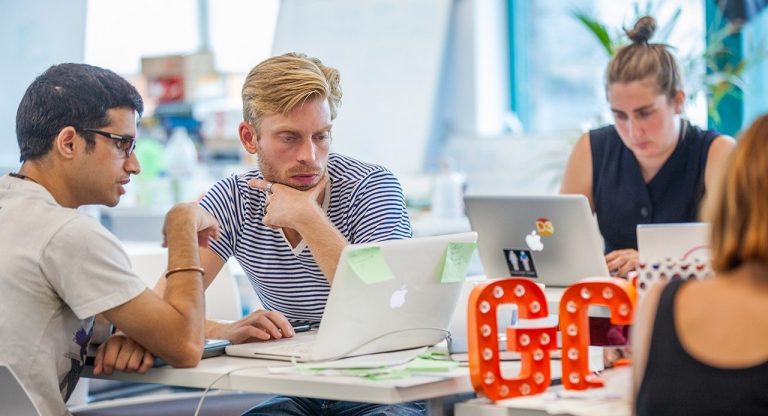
456	262
369	265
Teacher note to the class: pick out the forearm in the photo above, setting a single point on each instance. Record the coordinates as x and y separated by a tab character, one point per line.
324	241
184	290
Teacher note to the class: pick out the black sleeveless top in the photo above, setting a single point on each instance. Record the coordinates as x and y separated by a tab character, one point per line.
622	198
675	383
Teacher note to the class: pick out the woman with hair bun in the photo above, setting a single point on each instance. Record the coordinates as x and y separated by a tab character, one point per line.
699	347
651	165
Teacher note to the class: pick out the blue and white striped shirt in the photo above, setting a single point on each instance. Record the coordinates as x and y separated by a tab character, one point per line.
366	204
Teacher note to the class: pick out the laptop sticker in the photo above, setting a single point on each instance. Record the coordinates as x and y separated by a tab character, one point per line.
533	240
520	263
544	227
456	262
369	265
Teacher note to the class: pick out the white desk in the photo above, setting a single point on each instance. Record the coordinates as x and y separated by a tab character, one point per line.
543	406
252	375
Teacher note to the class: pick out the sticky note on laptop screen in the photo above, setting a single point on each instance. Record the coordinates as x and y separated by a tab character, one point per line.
456	261
369	265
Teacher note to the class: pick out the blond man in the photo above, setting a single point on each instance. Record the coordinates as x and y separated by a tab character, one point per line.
287	221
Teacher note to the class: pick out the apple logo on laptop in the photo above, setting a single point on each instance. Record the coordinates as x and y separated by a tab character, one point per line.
398	298
534	241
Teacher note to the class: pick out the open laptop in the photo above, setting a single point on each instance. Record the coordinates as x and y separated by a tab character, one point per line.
390	298
670	252
553	240
14	398
681	241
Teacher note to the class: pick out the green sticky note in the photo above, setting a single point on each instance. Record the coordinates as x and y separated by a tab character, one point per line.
395	374
369	265
423	365
456	261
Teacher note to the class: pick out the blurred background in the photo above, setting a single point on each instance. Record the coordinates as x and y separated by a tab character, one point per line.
454	96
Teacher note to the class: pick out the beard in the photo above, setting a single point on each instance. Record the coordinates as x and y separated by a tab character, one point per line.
272	174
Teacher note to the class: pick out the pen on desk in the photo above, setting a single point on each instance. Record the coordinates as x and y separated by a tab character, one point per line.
301	328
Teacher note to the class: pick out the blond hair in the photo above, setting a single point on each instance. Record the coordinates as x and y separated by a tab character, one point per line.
641	60
278	84
738	209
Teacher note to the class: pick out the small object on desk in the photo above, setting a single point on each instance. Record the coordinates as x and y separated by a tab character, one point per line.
300	325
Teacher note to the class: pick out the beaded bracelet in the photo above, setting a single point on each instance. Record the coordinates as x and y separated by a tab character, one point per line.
184	269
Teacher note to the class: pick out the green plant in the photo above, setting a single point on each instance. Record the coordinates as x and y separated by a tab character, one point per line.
710	68
612	39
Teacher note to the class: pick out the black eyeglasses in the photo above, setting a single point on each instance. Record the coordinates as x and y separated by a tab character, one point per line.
125	143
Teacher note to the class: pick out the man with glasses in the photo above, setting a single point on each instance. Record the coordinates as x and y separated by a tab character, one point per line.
125	143
76	129
288	221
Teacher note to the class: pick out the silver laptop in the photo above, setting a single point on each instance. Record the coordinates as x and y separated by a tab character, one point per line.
14	398
680	241
385	296
553	240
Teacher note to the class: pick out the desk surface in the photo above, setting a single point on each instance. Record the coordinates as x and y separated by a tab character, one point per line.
247	374
253	375
543	406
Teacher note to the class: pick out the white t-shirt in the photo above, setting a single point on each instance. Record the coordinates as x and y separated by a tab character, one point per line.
58	269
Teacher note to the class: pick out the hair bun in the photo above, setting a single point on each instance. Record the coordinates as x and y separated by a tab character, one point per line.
643	30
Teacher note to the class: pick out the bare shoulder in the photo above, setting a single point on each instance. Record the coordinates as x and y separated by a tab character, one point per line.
583	146
577	177
722	145
719	152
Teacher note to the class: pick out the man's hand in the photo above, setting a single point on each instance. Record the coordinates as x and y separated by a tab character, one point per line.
621	262
206	225
289	207
123	354
258	326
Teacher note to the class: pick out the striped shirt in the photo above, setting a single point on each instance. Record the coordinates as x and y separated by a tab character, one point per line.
365	204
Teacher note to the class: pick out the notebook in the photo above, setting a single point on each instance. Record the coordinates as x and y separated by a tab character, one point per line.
681	241
553	240
14	398
385	296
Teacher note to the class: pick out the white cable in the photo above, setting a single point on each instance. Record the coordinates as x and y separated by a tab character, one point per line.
216	380
357	347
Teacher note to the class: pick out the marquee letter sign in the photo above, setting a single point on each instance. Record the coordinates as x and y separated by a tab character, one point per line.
618	295
535	344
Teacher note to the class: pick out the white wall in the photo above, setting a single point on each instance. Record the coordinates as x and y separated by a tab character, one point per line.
35	35
477	71
471	98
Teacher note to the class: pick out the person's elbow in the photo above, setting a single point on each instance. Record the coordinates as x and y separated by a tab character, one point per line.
187	355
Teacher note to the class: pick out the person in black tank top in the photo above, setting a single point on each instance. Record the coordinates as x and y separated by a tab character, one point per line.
699	347
650	166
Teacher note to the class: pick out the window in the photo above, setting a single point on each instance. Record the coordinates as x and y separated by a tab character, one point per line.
119	34
558	66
